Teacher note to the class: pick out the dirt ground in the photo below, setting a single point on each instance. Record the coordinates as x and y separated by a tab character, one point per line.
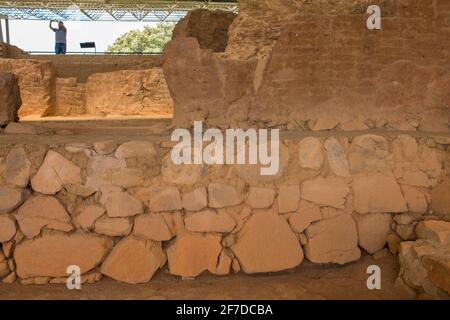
305	282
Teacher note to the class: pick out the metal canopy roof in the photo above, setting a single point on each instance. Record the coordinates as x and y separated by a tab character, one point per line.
109	10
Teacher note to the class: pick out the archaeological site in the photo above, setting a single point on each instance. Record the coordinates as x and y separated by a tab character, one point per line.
358	207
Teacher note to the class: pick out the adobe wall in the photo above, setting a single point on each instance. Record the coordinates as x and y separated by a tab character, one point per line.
124	210
291	63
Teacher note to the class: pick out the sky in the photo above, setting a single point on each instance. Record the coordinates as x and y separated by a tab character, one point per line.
30	35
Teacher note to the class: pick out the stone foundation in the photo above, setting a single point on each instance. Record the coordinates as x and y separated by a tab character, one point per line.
124	210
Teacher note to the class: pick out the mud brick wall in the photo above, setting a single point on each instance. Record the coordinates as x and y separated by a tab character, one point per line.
310	61
124	210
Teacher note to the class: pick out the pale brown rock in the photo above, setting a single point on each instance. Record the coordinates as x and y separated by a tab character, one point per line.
10	278
368	153
165	199
337	157
223	195
310	153
79	190
133	260
195	200
47	255
7	228
267	244
430	161
415	199
372	230
393	241
55	172
98	168
333	240
260	198
113	227
325	124
86	218
407	218
122	204
17	168
307	214
224	264
288	198
326	191
404	148
152	226
10	100
191	254
126	177
42	212
209	221
435	231
136	148
440	198
105	147
10	198
374	193
186	174
406	231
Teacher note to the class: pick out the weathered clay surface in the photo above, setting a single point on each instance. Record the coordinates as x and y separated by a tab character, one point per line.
10	100
128	92
209	27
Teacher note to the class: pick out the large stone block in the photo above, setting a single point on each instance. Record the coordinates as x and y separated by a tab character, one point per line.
50	255
267	244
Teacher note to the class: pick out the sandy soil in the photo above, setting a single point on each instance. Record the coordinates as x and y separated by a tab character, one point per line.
306	282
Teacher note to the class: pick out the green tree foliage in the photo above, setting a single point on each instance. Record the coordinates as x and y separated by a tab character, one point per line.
151	39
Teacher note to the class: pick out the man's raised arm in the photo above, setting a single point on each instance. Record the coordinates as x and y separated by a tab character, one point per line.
50	25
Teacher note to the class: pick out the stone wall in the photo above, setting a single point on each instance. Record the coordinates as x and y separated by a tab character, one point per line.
124	210
306	61
9	98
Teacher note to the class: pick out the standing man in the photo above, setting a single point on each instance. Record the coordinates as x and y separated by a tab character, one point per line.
60	37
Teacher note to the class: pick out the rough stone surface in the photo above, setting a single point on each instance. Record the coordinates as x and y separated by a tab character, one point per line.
7	228
373	230
165	199
86	218
191	254
152	227
10	100
133	260
440	198
55	172
47	256
415	199
222	195
122	204
310	153
98	169
307	214
267	244
42	212
133	149
195	200
209	27
209	221
374	193
11	198
260	198
288	198
333	240
434	231
337	157
326	191
114	227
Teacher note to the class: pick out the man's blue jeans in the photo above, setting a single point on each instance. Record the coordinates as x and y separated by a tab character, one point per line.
60	48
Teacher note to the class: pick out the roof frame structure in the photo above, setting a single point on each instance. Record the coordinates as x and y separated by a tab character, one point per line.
109	10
